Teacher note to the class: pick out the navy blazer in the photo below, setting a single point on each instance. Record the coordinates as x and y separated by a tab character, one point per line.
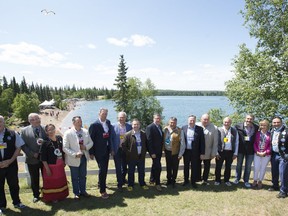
154	139
246	147
198	145
116	135
101	146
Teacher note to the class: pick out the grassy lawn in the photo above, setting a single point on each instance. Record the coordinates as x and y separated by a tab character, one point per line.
205	200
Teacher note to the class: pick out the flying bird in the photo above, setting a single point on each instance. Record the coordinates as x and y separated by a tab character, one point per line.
45	12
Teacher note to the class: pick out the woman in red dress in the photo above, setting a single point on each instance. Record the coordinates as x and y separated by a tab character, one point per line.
55	186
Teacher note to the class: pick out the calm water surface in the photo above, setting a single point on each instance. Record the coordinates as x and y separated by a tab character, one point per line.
178	106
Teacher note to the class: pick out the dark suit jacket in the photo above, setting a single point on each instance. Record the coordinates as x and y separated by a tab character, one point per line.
198	145
246	147
31	146
130	147
100	147
155	139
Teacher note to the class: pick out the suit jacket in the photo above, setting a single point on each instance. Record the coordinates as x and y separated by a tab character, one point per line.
198	144
116	135
31	147
71	146
155	139
211	140
246	147
130	147
101	146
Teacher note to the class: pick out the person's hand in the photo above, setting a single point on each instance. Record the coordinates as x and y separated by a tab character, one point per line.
82	147
35	155
79	154
179	157
234	157
218	157
91	156
202	157
153	155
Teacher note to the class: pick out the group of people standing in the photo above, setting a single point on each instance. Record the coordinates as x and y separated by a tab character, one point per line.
196	142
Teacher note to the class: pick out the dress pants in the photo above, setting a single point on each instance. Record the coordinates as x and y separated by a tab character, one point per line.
141	172
34	171
275	162
156	169
102	162
120	166
190	158
226	156
11	175
207	165
172	164
283	171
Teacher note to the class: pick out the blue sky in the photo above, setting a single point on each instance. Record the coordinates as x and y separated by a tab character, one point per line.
178	44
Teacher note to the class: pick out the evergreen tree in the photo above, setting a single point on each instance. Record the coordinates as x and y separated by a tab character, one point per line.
120	96
5	83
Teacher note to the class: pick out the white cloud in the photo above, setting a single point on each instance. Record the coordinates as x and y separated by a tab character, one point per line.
30	54
91	46
141	40
134	40
122	42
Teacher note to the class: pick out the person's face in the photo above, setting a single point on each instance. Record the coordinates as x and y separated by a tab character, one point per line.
191	121
122	119
51	131
227	123
276	123
136	126
2	124
77	123
103	115
157	120
264	127
35	121
172	124
205	120
249	120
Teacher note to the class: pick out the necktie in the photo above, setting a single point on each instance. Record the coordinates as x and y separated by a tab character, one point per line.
37	131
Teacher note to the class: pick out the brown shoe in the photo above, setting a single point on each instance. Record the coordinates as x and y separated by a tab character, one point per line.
260	185
104	195
254	184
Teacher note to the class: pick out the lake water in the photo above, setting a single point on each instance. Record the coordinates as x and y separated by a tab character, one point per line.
178	106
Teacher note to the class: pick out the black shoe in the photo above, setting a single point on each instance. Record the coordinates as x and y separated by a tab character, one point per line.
86	195
281	195
194	185
185	183
273	188
120	189
36	199
168	183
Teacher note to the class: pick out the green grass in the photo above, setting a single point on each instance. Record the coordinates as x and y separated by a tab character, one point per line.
205	200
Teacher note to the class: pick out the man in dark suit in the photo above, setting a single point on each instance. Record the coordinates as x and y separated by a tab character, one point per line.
101	135
193	150
247	132
155	144
33	136
10	147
